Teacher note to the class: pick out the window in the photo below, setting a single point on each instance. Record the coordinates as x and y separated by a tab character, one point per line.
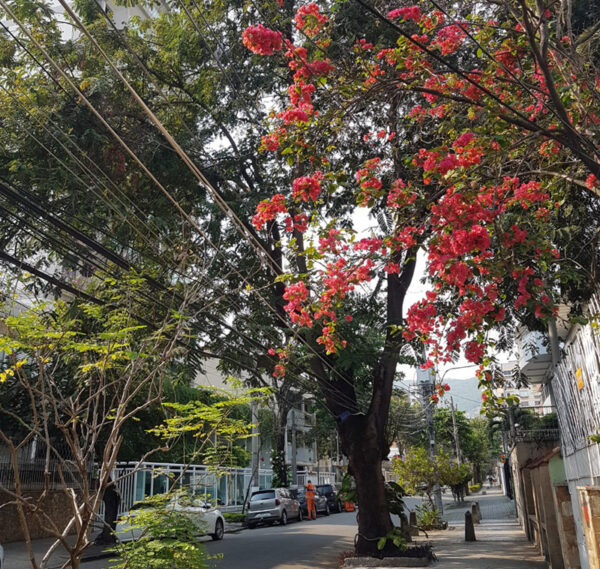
266	495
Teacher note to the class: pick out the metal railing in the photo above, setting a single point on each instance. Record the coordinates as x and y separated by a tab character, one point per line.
536	435
227	488
36	472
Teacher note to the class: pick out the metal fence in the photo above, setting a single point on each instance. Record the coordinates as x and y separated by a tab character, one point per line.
36	472
316	478
227	488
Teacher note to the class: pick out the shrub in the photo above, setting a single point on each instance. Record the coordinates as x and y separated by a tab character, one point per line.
474	488
234	517
428	517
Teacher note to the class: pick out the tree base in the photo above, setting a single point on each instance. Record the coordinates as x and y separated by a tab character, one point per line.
372	563
415	556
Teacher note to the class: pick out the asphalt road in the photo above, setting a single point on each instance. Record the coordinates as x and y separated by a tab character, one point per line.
299	545
308	544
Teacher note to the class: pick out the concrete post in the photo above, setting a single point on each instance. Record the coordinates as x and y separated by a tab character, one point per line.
474	515
469	528
412	522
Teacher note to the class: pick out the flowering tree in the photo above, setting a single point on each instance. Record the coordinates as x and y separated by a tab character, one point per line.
474	134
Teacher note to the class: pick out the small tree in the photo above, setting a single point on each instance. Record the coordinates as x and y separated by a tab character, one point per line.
73	376
417	472
453	474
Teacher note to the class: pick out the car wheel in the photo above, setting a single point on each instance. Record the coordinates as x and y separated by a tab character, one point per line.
327	512
283	520
340	507
251	526
219	531
299	514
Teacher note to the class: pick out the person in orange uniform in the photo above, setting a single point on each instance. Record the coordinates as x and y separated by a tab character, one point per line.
310	501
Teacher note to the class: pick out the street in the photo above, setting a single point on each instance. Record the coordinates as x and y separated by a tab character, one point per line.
318	544
301	545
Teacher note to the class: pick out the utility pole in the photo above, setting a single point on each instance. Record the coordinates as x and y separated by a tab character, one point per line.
293	457
512	426
254	444
455	429
427	390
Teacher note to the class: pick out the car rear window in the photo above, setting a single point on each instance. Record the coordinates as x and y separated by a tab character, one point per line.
325	489
267	495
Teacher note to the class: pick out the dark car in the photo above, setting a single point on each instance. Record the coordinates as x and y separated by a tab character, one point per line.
321	505
333	500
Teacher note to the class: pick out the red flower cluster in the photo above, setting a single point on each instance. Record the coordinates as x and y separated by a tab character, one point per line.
267	210
310	20
369	183
296	294
407	13
307	187
261	40
400	195
449	39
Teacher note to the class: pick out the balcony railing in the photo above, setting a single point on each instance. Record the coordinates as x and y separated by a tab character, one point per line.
536	435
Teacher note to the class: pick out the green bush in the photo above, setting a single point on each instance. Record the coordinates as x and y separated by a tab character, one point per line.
167	540
234	517
474	488
428	517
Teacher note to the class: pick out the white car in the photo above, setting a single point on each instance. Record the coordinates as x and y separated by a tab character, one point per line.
207	519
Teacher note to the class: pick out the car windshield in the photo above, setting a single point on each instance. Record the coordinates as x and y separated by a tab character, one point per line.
266	495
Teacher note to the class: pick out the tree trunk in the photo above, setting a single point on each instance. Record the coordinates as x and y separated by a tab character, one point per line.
363	436
280	419
361	443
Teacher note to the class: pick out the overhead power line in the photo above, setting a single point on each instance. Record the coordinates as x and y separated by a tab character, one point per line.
240	227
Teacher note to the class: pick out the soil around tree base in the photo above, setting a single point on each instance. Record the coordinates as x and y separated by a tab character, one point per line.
415	556
374	563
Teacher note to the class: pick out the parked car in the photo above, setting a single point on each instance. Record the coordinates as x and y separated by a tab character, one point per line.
272	505
321	505
206	518
333	500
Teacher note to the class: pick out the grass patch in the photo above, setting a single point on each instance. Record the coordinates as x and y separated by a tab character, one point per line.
234	517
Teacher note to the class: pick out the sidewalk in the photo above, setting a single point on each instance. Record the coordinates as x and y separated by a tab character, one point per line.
15	554
501	543
493	505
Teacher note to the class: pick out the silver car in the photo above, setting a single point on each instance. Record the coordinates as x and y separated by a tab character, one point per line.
272	505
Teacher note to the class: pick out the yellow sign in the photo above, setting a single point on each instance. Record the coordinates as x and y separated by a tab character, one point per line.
579	378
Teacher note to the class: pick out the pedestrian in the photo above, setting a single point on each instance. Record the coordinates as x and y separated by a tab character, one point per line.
311	511
490	480
112	501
